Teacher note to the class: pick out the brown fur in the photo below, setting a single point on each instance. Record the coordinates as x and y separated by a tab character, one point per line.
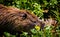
14	20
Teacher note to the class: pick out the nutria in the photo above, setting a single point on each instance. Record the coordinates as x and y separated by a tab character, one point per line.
14	20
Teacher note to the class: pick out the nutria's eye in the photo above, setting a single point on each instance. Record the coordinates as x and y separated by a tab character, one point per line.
24	16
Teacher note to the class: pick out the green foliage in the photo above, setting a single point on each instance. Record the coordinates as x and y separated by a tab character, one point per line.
9	35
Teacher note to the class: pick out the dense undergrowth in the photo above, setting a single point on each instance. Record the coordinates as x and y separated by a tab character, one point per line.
39	8
37	32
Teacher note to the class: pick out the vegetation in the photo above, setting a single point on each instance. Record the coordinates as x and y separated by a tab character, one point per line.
47	32
38	7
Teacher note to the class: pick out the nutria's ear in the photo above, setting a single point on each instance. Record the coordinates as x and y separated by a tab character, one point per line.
24	16
2	6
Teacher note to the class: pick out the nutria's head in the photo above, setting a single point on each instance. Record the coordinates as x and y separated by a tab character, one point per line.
23	20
